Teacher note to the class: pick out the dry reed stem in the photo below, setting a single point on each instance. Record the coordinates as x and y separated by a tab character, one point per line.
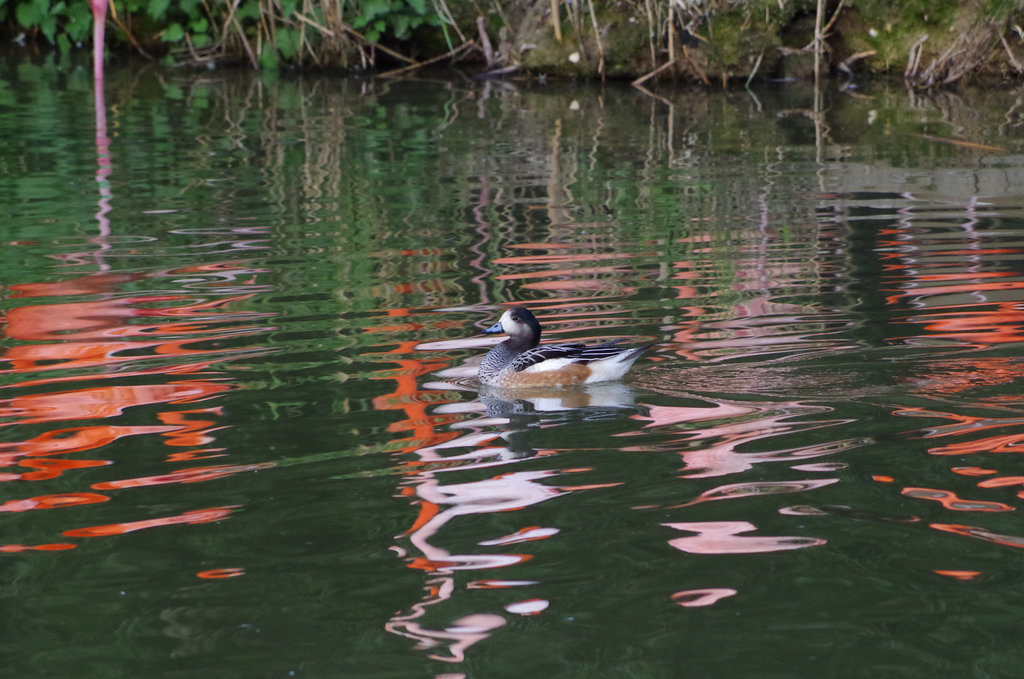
650	30
485	42
322	29
556	20
597	38
245	42
446	14
831	22
819	39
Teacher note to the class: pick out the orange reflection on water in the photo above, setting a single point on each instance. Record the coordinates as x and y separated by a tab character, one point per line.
89	334
951	376
971	301
194	516
220	573
968	426
984	326
102	402
408	397
565	271
51	501
980	533
950	500
91	342
959	575
52	547
973	471
192	475
979	435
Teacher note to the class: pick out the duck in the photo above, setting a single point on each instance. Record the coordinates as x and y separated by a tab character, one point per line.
522	361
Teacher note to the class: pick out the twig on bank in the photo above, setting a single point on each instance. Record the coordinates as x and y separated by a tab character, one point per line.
420	64
757	65
914	57
497	73
1009	53
845	64
644	78
964	144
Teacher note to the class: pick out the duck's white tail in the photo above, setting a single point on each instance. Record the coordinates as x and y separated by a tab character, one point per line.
614	367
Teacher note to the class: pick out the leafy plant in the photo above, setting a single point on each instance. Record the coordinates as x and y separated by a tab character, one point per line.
397	18
61	23
268	32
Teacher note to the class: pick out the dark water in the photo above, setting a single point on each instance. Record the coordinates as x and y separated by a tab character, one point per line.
241	436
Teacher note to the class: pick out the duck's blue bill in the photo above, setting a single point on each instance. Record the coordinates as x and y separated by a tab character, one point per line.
496	328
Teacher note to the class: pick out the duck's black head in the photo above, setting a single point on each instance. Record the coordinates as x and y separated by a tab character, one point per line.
520	325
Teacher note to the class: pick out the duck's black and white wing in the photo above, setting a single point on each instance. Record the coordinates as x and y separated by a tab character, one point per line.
555	356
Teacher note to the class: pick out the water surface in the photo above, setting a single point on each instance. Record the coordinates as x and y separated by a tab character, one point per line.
241	434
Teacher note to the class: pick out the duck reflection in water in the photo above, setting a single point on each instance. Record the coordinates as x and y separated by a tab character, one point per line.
487	436
515	413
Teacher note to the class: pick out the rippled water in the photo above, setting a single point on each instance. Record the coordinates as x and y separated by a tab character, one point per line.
242	437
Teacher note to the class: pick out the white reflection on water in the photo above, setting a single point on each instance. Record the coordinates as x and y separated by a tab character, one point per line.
724	537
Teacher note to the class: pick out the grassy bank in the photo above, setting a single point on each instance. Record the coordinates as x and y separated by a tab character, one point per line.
929	42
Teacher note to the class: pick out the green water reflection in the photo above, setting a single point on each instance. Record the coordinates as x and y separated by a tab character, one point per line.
241	435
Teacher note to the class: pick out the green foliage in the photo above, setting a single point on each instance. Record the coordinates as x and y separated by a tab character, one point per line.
173	33
289	42
398	18
61	22
36	14
68	23
157	8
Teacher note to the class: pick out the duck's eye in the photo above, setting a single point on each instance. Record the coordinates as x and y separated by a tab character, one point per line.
515	318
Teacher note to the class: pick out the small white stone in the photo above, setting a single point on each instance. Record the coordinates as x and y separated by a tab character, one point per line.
574	57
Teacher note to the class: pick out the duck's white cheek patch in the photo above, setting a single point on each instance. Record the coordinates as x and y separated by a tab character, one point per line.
548	365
